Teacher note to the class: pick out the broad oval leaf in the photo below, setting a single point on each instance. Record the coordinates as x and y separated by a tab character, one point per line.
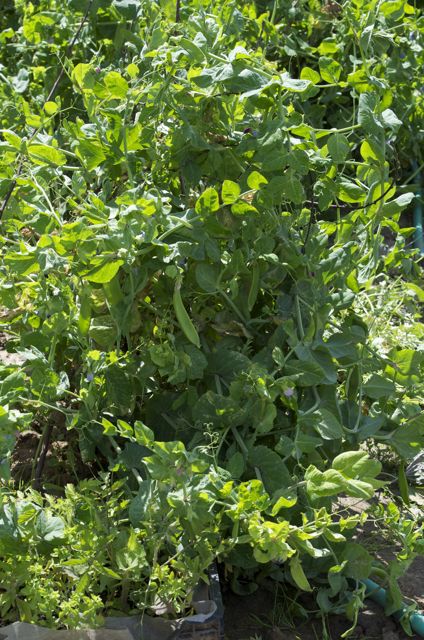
43	154
104	271
208	202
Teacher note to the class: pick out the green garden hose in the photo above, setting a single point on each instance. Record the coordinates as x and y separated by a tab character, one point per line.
379	595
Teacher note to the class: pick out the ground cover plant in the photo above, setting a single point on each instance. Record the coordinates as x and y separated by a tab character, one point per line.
194	202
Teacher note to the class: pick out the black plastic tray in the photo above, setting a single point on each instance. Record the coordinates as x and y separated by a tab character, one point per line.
212	629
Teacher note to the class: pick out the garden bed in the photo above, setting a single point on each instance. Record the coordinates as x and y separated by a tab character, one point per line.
210	346
268	622
206	623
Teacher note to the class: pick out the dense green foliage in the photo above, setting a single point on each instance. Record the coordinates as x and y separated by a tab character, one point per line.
190	222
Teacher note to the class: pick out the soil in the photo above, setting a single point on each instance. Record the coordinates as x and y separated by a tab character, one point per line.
7	357
63	464
265	615
259	616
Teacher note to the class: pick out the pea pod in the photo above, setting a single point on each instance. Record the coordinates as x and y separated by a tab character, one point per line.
298	574
403	484
254	287
84	317
183	318
113	291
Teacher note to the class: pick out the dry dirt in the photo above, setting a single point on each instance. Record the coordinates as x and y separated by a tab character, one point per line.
7	358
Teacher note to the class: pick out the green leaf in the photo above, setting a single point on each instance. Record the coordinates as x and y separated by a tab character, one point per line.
323	484
83	76
328	46
398	204
254	287
20	82
255	180
306	443
132	70
43	154
283	502
358	561
417	291
116	85
242	208
208	202
390	119
294	85
128	8
292	187
119	389
192	49
310	74
102	270
408	439
405	366
14	140
370	151
230	191
91	153
207	276
327	424
367	116
140	503
242	79
393	8
124	429
103	331
109	429
236	465
349	191
353	473
84	317
227	363
50	108
379	387
274	472
338	147
308	372
329	69
22	263
143	434
356	464
49	528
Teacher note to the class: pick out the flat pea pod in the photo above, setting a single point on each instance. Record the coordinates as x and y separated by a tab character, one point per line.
183	318
298	574
403	484
113	291
254	287
84	318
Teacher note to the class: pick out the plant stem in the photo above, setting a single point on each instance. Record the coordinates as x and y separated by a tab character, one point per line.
41	454
344	130
233	306
239	440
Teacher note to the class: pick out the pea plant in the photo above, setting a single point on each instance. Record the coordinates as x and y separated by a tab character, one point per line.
195	198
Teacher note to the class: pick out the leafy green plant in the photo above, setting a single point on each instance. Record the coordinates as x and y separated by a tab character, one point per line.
192	211
148	551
